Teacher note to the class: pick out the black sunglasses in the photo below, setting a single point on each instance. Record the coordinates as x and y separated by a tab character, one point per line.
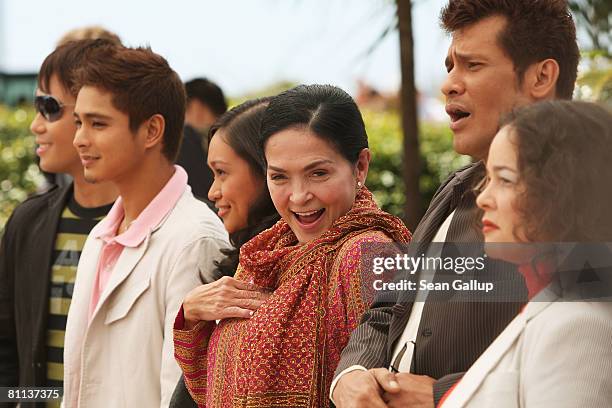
49	107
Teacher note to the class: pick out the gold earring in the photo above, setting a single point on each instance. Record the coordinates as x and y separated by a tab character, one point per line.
359	185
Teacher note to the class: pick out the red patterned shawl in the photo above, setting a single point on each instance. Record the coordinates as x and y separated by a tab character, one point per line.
286	354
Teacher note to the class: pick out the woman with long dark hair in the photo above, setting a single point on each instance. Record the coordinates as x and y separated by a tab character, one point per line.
241	196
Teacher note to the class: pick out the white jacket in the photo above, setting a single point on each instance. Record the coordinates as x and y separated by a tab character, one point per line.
124	357
554	354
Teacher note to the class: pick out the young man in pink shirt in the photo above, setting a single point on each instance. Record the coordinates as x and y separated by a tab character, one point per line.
156	244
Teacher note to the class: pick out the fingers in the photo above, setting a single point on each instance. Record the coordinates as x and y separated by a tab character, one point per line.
226	297
235	311
374	402
250	304
243	290
358	389
241	284
386	379
251	295
234	289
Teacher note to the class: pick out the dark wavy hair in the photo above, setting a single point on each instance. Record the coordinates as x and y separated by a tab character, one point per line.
535	31
326	110
241	131
564	165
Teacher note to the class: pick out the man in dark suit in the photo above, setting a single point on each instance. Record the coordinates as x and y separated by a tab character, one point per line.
503	54
205	103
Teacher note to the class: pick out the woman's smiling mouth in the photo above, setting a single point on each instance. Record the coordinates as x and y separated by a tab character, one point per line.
308	218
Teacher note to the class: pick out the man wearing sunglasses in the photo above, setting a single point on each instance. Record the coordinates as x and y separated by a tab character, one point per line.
45	235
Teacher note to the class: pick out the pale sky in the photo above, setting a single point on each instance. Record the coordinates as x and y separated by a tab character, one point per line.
243	45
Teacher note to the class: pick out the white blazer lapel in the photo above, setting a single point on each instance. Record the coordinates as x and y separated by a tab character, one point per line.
126	263
474	377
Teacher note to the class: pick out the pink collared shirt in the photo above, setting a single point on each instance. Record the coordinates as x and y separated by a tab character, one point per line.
148	219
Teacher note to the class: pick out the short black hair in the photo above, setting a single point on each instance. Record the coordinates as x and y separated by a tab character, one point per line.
207	92
534	31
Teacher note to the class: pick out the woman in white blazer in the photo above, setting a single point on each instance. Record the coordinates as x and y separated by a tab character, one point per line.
548	180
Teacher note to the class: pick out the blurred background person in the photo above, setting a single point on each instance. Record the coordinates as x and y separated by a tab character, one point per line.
205	103
555	353
240	193
89	33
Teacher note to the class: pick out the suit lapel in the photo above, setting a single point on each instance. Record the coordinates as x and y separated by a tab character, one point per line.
478	372
491	357
434	217
129	258
441	206
126	263
426	230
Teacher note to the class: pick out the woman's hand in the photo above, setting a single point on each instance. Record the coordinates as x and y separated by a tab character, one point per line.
224	298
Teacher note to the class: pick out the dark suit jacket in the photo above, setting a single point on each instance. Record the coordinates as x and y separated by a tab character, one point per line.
25	267
192	158
451	336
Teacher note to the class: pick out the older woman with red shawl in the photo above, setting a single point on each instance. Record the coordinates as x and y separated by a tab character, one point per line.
285	353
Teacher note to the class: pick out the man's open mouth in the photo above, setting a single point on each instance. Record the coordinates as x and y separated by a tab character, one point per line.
457	114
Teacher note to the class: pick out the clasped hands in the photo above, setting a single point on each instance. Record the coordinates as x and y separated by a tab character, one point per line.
380	388
222	299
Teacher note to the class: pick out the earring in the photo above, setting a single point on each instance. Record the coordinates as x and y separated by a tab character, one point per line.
359	185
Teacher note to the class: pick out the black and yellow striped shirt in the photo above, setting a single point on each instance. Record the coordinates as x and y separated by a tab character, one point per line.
75	224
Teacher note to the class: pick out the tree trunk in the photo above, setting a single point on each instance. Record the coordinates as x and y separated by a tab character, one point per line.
413	209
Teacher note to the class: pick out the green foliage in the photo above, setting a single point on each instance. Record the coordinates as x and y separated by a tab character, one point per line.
593	16
438	158
595	78
385	177
19	175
